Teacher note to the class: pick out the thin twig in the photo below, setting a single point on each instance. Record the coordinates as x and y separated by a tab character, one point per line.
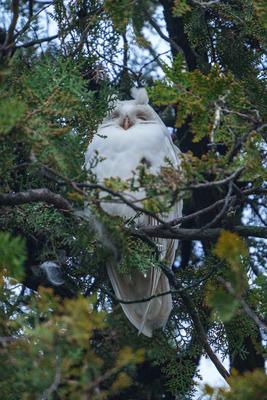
227	203
86	31
206	3
237	146
30	20
123	199
37	41
55	384
256	212
196	214
221	182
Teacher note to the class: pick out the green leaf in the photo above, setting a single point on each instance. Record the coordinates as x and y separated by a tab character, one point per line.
223	303
12	255
11	111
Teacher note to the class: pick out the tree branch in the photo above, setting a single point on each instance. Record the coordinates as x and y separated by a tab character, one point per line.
226	205
37	41
55	384
202	335
170	275
199	234
161	34
34	196
237	146
206	185
12	26
206	3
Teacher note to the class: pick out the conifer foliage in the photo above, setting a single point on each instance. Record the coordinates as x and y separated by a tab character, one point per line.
62	332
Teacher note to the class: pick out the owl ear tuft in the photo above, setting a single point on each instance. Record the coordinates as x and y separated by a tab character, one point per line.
140	95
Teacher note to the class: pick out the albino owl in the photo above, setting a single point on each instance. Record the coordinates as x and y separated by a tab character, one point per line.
132	134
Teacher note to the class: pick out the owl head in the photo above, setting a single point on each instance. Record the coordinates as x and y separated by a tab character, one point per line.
128	113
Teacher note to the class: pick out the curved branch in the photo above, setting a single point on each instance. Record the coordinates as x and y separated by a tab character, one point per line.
35	196
202	335
161	34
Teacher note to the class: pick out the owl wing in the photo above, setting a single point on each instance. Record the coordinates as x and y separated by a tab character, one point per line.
123	153
152	314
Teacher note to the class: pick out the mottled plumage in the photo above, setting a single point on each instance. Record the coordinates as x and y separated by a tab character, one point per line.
132	134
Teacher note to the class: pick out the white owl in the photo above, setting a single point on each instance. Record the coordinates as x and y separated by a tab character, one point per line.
132	134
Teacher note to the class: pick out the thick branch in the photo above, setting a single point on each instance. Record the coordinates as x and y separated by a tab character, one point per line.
12	26
199	234
34	196
176	31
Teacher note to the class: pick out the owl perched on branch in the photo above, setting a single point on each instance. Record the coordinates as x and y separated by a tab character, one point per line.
132	134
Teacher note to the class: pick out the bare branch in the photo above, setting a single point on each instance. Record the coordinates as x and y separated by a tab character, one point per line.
124	200
30	20
55	384
226	205
37	41
168	272
142	300
237	146
202	335
196	214
165	229
206	3
161	34
199	234
221	182
34	196
86	31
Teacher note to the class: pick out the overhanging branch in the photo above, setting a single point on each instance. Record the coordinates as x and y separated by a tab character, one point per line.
34	196
199	234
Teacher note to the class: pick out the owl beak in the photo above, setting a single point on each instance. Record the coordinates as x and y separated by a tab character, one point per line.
126	123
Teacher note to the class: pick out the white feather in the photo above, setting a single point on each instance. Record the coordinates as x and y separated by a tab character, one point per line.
122	151
140	95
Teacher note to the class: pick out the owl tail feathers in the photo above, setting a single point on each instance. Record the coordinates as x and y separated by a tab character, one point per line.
149	315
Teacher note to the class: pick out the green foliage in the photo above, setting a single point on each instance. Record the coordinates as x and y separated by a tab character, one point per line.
53	347
12	255
243	387
8	118
261	10
120	12
180	7
224	304
63	343
231	248
196	94
137	256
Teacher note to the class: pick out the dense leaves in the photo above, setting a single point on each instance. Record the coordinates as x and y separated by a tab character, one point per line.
62	332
